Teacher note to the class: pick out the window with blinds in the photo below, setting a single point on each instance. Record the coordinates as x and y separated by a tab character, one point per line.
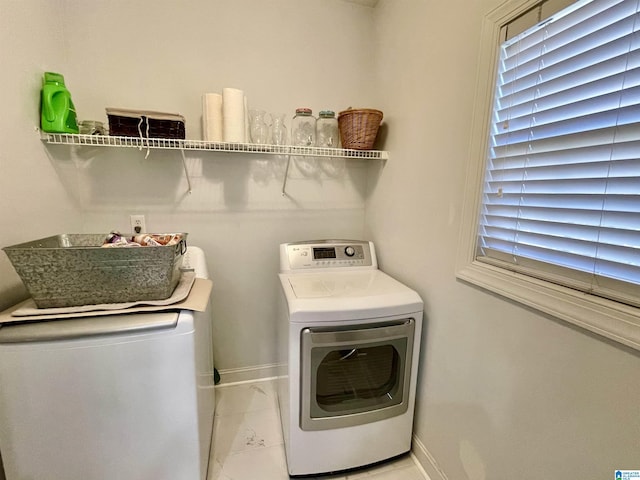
561	198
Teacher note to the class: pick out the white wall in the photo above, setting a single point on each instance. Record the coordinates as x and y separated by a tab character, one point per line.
161	55
33	203
504	392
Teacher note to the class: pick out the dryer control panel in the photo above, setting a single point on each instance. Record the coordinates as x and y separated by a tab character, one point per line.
327	254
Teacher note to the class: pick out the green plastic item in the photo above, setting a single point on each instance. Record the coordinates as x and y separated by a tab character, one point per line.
57	112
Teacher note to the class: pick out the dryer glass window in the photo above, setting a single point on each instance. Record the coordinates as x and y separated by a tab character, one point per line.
355	376
350	380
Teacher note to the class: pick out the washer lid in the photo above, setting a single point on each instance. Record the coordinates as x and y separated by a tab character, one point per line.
122	325
346	295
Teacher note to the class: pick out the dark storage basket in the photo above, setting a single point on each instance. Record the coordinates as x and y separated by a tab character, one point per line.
145	124
359	128
73	269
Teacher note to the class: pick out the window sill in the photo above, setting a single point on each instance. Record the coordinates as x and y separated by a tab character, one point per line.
610	319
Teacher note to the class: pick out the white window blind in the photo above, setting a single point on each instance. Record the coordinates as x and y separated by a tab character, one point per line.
561	199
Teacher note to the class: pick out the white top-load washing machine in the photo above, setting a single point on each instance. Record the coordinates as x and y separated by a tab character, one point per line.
349	335
126	396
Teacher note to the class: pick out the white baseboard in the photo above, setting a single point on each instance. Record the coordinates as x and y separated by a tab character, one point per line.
426	460
248	374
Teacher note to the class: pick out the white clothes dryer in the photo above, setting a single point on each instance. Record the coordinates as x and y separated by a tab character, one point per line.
119	396
349	335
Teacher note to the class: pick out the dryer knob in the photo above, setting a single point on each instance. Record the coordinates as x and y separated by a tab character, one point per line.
349	251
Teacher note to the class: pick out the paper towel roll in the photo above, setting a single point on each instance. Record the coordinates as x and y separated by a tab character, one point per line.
233	127
212	117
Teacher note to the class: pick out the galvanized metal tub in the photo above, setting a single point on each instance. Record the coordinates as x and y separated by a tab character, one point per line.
73	269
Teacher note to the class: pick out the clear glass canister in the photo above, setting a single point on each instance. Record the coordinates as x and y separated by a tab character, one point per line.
327	134
91	127
303	128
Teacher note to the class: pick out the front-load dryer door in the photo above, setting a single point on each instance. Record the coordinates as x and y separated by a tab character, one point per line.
356	374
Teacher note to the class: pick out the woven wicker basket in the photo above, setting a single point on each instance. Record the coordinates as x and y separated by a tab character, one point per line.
359	128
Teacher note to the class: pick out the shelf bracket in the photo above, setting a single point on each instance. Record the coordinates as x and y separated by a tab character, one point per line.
186	171
286	175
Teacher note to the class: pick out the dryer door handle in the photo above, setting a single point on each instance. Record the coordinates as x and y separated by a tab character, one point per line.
361	334
349	354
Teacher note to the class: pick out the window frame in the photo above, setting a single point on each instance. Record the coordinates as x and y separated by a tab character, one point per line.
616	321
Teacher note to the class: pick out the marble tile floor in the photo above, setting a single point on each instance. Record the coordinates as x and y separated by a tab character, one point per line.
248	445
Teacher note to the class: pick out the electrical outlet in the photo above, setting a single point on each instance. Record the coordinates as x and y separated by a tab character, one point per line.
137	224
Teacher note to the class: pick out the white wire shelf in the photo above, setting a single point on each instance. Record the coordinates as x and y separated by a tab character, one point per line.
174	144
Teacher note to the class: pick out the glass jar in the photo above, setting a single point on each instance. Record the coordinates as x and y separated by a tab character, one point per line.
278	129
303	128
91	127
327	134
